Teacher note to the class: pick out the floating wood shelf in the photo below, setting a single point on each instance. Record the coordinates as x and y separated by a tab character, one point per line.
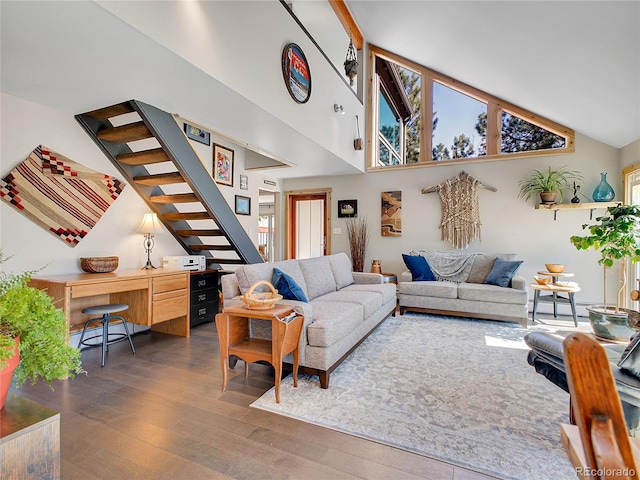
576	206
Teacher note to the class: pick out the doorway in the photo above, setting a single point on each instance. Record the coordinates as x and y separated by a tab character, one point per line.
308	222
266	225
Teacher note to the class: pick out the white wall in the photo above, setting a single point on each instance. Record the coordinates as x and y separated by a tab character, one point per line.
240	44
509	224
630	154
25	125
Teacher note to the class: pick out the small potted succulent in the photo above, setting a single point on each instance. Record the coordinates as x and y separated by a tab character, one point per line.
617	237
32	327
548	184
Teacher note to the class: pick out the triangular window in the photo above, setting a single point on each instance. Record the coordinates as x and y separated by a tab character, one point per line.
467	124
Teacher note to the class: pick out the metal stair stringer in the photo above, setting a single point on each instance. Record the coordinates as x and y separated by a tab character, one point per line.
174	148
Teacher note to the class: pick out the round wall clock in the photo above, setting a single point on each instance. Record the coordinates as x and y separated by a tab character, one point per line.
297	75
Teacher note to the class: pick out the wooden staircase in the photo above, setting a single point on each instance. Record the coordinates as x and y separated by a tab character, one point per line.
151	152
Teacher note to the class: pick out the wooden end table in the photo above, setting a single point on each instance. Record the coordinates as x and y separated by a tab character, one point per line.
235	339
555	297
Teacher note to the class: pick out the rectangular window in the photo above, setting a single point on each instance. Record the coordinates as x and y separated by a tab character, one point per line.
459	124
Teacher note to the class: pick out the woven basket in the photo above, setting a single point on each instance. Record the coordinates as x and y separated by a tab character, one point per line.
261	300
99	264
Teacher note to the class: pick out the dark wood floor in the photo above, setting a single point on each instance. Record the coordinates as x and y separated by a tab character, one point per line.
161	415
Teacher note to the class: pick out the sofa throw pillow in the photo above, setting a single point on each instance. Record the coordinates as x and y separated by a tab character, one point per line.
630	359
287	286
419	268
502	272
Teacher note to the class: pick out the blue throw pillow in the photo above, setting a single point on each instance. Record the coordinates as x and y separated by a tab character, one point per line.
287	286
502	272
419	268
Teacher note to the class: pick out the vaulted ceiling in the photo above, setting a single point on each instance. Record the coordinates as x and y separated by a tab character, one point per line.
574	62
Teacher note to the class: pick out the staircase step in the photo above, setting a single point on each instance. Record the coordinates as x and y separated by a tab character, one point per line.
200	233
226	261
125	133
159	179
112	111
217	248
175	198
145	157
187	216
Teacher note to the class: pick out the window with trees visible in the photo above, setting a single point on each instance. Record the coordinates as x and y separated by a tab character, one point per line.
466	123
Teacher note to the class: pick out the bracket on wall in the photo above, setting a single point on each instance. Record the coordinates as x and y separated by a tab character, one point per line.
577	206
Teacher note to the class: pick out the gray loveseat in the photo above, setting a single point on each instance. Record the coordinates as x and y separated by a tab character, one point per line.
465	293
343	308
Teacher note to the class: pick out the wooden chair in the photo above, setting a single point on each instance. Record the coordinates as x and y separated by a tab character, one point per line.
606	446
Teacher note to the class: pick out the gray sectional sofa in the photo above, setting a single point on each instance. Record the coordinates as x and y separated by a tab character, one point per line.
467	295
343	307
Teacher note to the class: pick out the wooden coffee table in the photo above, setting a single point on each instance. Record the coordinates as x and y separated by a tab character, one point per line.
235	339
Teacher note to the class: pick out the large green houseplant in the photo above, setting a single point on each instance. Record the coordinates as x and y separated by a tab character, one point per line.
548	184
616	235
29	314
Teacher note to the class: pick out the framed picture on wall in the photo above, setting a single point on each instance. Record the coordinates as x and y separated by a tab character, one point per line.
222	165
197	134
243	205
347	208
244	182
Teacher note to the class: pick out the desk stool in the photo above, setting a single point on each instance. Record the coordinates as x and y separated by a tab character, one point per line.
106	311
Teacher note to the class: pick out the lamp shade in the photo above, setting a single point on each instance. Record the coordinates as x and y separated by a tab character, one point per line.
150	223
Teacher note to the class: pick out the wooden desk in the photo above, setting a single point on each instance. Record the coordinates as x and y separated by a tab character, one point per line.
157	298
235	339
29	440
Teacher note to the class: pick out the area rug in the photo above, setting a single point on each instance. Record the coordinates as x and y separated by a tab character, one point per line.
456	390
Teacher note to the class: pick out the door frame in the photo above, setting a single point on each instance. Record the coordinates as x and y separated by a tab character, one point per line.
632	269
288	244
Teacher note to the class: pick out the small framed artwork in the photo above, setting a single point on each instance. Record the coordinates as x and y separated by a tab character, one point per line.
244	182
347	208
243	205
222	165
391	218
197	134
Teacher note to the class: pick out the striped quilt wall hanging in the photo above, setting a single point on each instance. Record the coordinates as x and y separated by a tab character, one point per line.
60	195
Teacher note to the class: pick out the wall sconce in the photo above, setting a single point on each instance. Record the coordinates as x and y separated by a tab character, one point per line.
149	225
338	109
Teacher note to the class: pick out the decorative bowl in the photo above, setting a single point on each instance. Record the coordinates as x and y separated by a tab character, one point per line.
99	264
542	280
555	267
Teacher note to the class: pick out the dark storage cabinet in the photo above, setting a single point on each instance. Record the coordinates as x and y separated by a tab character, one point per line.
204	296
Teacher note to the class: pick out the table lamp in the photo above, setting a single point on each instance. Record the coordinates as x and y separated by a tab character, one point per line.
149	225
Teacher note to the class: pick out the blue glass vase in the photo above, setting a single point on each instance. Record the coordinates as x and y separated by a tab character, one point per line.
603	192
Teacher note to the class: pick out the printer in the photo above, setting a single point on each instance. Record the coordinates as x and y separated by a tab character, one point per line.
185	262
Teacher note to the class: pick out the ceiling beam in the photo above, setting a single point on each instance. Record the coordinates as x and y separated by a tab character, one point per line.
344	15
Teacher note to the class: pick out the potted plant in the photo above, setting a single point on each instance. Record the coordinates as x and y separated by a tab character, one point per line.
548	184
617	237
32	326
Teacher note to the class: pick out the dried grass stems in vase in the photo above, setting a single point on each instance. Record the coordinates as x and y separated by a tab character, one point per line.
358	235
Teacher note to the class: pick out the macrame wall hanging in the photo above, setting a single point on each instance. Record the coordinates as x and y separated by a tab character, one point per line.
460	223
